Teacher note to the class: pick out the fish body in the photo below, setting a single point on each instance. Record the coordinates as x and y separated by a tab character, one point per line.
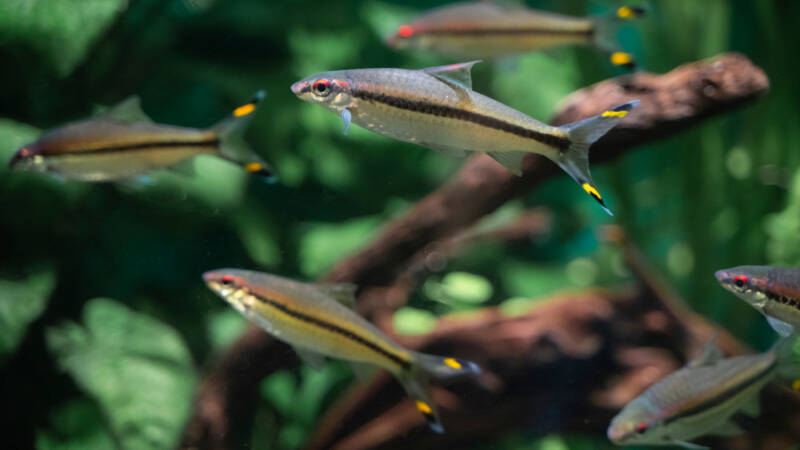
437	108
315	321
774	291
485	30
695	400
124	143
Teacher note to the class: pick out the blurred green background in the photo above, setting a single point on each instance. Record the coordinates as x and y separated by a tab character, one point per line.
105	326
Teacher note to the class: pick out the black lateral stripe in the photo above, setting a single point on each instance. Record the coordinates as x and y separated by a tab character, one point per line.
402	362
716	401
141	146
433	109
794	303
505	31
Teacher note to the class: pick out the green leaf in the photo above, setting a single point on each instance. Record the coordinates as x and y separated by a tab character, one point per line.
459	287
59	33
136	368
408	320
323	244
22	302
77	425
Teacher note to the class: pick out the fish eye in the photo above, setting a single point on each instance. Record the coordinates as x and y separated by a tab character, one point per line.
322	87
641	428
405	31
740	281
227	280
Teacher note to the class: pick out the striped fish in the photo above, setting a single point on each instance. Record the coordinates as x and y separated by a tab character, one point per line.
123	143
314	319
483	29
699	399
774	291
437	108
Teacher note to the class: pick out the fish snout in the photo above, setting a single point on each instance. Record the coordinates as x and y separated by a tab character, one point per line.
22	155
300	87
723	276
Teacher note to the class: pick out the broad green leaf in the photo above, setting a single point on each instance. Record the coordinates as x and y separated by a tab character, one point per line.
22	302
322	244
77	425
58	32
408	320
136	368
459	289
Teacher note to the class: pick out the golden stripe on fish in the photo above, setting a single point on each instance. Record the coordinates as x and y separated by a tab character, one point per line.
423	107
401	361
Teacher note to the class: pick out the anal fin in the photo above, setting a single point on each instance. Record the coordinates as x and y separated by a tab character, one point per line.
510	160
313	359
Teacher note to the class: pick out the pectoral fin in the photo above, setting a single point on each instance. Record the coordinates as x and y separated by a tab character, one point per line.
510	160
781	327
185	167
346	116
710	354
313	359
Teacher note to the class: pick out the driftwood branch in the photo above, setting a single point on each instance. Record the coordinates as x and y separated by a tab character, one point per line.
670	103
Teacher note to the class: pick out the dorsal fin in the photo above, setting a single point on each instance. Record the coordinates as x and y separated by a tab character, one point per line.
460	74
710	354
128	110
344	293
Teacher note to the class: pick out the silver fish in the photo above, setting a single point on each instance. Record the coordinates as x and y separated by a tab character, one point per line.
773	291
314	319
483	29
437	108
123	143
700	398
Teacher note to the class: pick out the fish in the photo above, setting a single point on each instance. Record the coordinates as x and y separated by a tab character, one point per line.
437	108
318	321
486	30
701	397
123	143
773	291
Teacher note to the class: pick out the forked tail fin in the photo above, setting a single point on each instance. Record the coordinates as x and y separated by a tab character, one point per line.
415	381
232	146
582	134
605	29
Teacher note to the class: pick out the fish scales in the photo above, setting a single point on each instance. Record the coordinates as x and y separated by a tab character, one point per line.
694	392
301	315
415	106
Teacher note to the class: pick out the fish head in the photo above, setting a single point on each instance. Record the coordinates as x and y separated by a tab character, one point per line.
29	158
406	37
232	285
750	283
635	424
332	90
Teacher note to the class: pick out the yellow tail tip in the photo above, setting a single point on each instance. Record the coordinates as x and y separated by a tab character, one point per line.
254	167
796	385
591	191
621	59
451	362
423	407
619	114
244	110
625	13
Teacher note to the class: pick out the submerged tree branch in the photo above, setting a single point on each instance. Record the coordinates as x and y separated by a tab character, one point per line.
669	103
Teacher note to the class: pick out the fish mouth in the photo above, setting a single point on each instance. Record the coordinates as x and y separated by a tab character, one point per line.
722	276
300	87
